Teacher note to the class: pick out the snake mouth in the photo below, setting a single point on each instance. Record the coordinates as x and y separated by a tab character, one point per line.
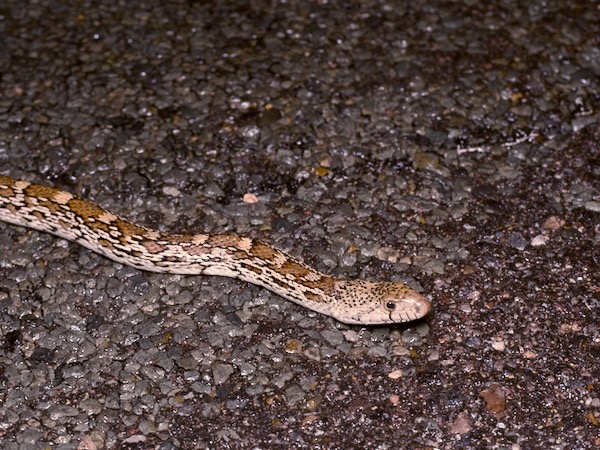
422	307
405	305
408	309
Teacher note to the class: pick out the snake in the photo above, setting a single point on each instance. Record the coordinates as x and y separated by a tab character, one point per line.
361	302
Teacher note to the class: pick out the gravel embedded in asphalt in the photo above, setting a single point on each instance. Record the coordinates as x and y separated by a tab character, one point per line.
451	145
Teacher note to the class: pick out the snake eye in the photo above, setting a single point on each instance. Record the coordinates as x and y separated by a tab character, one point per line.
390	306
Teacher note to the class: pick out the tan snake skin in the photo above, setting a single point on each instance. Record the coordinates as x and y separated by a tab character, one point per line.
63	214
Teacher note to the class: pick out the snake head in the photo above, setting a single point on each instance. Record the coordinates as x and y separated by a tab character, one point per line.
372	303
402	304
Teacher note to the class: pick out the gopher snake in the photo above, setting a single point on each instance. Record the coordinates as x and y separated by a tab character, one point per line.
58	212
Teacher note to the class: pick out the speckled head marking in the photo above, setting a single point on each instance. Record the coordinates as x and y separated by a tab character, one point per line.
352	301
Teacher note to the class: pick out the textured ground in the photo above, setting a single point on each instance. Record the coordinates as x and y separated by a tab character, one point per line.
452	145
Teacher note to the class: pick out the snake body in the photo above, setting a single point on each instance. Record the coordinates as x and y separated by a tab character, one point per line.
54	211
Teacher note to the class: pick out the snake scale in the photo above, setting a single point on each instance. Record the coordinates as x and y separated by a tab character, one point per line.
65	215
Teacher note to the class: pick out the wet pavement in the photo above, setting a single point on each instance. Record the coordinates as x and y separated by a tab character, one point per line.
451	145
